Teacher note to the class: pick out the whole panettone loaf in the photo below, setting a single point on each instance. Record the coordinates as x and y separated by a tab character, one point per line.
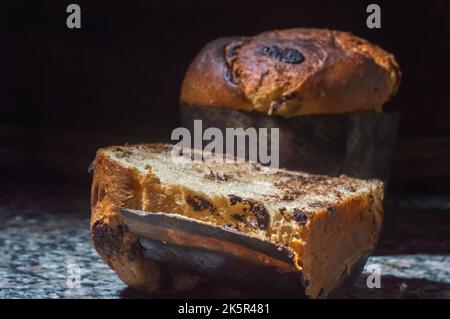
329	224
292	72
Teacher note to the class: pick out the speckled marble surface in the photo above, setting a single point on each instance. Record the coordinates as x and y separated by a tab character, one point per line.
44	239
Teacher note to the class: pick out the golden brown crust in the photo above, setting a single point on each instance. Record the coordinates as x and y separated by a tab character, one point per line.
330	254
205	82
115	186
292	72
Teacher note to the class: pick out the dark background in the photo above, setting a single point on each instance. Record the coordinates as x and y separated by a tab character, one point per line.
65	93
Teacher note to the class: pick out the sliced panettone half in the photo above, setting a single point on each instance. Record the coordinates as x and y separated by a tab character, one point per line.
329	224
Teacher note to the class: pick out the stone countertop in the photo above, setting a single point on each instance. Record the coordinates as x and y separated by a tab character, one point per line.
44	240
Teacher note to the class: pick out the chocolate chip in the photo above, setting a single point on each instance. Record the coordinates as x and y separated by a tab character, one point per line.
300	217
235	199
292	56
258	218
286	55
282	210
261	215
273	52
198	203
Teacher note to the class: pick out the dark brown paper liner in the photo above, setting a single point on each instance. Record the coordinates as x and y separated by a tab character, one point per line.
253	265
357	144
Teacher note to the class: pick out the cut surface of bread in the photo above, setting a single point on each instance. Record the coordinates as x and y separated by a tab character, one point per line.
327	223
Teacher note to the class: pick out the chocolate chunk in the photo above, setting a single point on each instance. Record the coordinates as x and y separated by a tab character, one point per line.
286	55
300	217
198	203
292	56
260	218
272	51
235	199
261	215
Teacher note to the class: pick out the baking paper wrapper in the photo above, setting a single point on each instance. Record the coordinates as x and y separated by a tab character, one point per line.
357	144
255	266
